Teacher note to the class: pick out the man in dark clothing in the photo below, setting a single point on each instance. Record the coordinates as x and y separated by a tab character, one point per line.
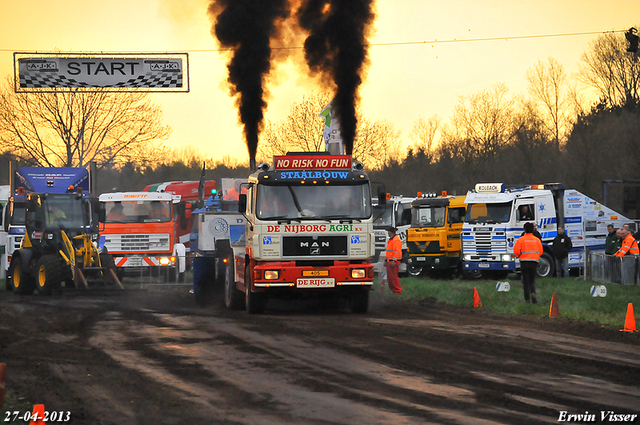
561	247
535	232
612	243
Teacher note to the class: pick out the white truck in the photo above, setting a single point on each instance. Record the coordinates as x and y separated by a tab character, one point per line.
309	233
5	193
397	213
496	215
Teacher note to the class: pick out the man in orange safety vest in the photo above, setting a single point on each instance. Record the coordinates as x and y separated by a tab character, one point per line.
528	249
392	262
629	244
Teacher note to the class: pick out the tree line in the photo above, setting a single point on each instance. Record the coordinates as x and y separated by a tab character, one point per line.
580	130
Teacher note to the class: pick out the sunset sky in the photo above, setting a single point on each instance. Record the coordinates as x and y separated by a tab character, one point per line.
404	81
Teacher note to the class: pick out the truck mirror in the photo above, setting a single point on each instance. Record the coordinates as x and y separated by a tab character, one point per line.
382	195
102	213
242	203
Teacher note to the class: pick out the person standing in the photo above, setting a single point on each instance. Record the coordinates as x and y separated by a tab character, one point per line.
392	261
561	246
528	249
629	244
612	243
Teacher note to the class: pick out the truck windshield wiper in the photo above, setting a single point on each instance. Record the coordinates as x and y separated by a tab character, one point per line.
281	219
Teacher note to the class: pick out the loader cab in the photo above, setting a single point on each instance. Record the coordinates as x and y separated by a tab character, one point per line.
47	213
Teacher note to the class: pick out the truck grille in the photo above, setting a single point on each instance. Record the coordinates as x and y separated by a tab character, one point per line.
310	246
484	245
131	243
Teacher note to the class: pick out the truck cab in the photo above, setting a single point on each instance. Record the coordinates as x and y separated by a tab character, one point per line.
496	215
309	232
395	212
139	232
433	240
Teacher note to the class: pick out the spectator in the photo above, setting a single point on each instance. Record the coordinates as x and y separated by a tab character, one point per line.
528	249
561	247
612	243
394	255
629	244
116	213
535	231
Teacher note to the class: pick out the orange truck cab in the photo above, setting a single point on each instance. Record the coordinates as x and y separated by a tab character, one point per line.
139	231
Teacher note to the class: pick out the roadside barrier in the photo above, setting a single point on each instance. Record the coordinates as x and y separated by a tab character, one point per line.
630	321
611	269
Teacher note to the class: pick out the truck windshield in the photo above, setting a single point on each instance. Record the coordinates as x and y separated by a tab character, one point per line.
489	213
18	214
428	217
382	215
65	212
313	202
138	211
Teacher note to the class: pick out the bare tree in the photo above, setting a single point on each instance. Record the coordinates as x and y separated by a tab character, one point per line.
485	121
548	86
423	134
376	141
74	128
611	70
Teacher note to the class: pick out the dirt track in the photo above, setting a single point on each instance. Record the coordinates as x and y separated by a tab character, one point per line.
153	357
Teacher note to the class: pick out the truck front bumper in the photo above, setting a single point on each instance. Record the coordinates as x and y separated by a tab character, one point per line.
287	274
488	265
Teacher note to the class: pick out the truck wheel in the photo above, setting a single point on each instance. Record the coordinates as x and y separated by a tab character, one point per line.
359	302
413	270
49	274
546	266
232	296
472	274
23	284
255	302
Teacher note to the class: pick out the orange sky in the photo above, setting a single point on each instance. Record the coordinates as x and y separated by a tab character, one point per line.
403	83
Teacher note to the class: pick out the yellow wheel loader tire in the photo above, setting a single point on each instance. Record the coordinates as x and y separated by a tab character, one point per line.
49	274
23	283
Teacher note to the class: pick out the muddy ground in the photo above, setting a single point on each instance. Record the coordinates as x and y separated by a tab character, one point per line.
150	356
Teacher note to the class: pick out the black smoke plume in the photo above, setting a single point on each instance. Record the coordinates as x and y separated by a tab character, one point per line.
337	48
246	26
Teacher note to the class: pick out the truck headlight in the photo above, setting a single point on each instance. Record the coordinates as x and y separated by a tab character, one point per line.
358	273
467	257
271	274
506	257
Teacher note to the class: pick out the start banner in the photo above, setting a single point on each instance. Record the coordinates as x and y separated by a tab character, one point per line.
126	72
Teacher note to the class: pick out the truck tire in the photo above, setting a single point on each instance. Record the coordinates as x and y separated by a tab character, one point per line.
472	274
546	266
232	295
359	302
23	283
255	302
49	274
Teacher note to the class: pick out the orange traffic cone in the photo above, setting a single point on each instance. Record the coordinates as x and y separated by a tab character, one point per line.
3	375
476	298
630	322
554	311
37	417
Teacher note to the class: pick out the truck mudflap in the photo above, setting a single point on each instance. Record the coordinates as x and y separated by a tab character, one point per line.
489	265
286	274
